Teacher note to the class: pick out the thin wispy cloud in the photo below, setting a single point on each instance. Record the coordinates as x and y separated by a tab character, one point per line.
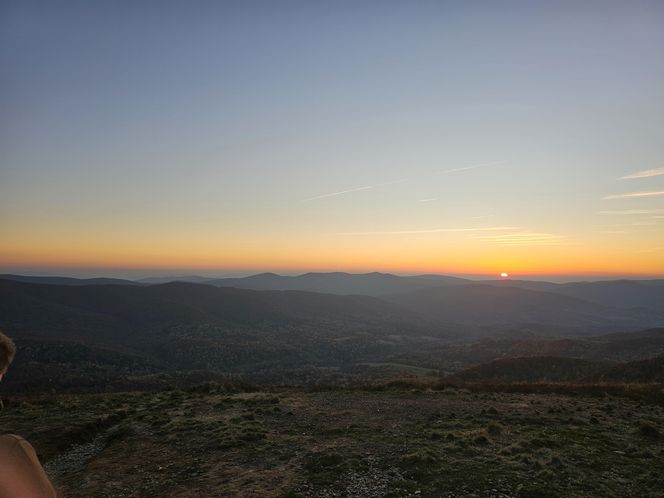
634	224
430	230
627	212
525	239
630	195
646	173
430	199
370	187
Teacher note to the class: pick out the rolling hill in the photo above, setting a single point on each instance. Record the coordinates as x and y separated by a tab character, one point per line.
639	294
547	369
487	305
534	369
618	293
114	334
111	312
191	326
642	371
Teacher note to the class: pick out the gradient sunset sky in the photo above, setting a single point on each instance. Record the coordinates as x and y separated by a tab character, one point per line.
455	137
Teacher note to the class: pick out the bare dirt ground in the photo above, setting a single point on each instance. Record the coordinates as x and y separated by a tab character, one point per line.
344	442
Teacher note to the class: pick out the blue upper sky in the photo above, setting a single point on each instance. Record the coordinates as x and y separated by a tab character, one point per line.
332	135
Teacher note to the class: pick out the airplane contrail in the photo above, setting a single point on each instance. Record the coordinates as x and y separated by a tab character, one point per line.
341	192
369	187
357	189
473	166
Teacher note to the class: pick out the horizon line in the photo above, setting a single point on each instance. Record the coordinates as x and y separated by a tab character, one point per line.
99	272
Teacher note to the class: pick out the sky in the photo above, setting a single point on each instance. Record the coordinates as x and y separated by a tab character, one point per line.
461	137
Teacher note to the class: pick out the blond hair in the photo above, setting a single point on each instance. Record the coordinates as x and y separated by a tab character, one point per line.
7	352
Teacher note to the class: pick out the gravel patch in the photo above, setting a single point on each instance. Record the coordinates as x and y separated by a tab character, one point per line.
374	482
76	457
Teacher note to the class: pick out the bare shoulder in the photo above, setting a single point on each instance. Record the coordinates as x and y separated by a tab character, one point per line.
21	473
13	448
12	443
10	438
9	442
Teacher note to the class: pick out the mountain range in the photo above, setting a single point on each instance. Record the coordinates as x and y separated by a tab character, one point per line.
615	293
65	327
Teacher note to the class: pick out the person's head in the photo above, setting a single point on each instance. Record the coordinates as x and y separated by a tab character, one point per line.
7	352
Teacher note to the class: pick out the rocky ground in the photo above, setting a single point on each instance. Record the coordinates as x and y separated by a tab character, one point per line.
392	442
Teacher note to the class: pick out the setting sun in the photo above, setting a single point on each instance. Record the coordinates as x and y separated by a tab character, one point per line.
504	275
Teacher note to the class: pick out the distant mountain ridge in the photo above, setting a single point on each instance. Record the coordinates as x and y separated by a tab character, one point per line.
67	280
194	279
371	284
625	302
615	293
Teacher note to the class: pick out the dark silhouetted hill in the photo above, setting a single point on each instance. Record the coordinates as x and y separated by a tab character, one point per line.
192	279
543	369
611	348
531	369
643	371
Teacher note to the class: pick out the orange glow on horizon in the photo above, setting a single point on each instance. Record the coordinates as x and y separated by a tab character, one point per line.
469	262
297	252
